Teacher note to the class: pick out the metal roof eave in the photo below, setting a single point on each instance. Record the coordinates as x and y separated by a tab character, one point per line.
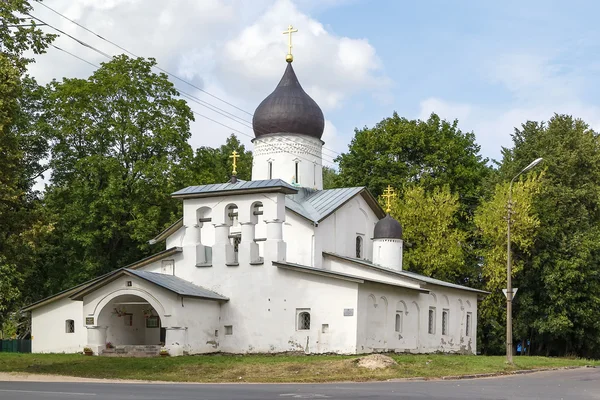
174	227
73	290
340	275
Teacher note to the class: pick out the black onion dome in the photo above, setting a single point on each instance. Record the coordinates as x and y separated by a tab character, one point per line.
288	110
388	228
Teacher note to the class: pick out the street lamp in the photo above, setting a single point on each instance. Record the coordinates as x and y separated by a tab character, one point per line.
509	291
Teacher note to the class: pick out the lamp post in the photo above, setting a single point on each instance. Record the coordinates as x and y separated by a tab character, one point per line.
509	291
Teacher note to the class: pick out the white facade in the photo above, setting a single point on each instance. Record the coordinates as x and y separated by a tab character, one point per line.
284	266
293	158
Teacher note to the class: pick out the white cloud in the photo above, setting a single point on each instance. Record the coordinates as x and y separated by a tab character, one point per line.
231	48
538	87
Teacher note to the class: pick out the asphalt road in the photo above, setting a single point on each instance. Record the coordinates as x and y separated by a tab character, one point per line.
570	384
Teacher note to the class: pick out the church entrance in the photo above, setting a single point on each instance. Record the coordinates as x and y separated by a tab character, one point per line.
133	327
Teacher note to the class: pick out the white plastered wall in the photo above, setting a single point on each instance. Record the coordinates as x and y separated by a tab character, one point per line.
283	151
338	232
378	305
48	327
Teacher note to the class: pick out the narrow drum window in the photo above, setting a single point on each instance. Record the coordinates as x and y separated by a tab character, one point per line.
445	322
399	321
468	327
303	321
270	169
431	325
70	326
359	247
296	177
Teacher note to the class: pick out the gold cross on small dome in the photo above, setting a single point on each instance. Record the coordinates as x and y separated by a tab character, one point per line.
289	57
234	155
388	195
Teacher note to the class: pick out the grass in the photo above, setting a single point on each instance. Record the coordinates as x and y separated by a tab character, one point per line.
268	368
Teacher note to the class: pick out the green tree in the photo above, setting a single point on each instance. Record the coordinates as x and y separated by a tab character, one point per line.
21	148
558	310
119	148
491	221
214	165
330	178
434	246
399	152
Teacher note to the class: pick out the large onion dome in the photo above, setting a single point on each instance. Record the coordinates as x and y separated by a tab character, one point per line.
288	110
388	228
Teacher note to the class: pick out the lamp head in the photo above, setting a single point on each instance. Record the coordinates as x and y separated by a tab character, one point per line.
533	164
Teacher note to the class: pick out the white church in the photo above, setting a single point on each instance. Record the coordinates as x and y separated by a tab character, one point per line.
275	264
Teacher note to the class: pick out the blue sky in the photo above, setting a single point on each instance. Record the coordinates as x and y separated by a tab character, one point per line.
534	56
491	65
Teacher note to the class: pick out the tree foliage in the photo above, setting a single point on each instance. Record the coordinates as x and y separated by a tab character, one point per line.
118	148
491	221
400	152
21	147
433	245
557	312
214	165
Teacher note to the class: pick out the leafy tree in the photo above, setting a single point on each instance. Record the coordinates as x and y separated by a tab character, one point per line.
434	246
399	152
330	178
212	165
558	310
119	147
491	221
21	148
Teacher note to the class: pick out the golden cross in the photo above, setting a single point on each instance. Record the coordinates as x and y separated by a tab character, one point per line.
290	30
388	195
234	155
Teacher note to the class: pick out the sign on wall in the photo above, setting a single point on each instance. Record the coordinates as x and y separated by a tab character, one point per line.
348	312
89	320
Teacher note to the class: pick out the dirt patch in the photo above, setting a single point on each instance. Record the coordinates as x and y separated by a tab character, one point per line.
376	361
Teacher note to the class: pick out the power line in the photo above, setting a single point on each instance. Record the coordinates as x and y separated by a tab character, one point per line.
165	71
202	115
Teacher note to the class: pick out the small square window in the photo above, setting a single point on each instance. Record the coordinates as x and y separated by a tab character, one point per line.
228	329
70	326
325	328
152	322
129	283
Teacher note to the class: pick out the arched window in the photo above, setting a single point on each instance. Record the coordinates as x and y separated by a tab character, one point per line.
359	247
296	176
70	326
431	322
270	169
398	324
303	320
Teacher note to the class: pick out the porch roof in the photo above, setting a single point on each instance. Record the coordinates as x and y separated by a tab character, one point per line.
169	282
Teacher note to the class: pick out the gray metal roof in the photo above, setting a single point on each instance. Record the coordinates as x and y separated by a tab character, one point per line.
406	274
177	285
340	275
316	205
238	187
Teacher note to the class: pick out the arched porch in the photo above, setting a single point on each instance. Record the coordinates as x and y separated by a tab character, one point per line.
129	323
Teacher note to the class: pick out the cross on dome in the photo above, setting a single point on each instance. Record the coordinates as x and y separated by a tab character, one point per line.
289	57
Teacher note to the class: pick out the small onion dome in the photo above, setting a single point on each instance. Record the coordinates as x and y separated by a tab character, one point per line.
388	228
288	110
